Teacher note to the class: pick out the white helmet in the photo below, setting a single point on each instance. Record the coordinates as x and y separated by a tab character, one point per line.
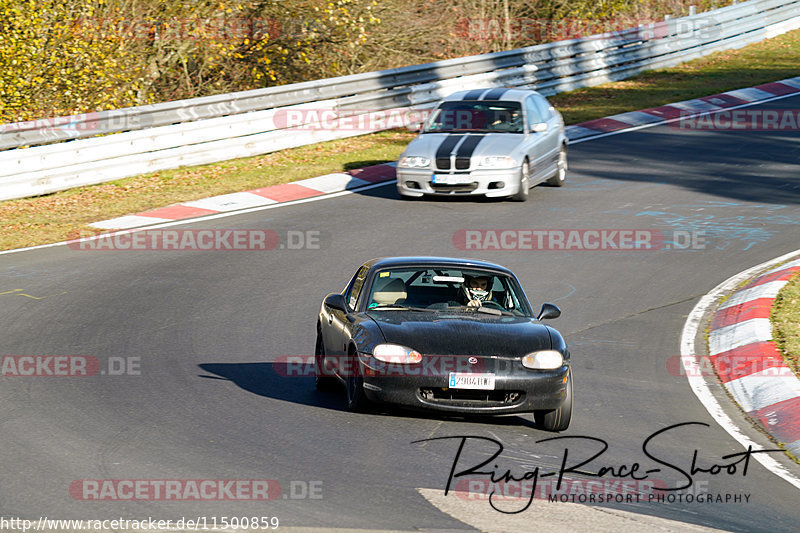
476	288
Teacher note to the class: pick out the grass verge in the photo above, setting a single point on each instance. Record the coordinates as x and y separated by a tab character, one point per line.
53	217
785	318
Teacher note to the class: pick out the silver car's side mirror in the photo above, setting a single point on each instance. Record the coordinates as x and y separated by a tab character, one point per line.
539	128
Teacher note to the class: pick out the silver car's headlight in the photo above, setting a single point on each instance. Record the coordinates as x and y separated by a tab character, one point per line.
543	360
496	161
414	161
395	353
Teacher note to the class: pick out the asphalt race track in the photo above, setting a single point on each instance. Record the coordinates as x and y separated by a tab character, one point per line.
209	330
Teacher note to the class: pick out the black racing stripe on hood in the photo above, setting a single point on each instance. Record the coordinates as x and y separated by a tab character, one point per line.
474	94
448	145
495	94
468	146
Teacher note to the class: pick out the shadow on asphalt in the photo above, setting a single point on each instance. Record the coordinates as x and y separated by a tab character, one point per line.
747	166
356	165
295	383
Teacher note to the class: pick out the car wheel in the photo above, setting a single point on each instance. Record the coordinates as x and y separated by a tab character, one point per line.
557	419
524	183
356	398
560	176
321	381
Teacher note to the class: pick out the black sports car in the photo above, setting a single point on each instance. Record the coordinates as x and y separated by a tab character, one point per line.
452	335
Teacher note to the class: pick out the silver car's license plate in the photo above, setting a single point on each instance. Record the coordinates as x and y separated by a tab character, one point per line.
450	179
465	380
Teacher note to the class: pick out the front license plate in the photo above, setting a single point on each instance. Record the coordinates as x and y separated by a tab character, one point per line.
461	380
446	179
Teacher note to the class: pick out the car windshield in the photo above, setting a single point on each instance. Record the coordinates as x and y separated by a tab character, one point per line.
477	116
435	288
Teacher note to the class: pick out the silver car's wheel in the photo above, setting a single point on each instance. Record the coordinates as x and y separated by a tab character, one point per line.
560	176
524	183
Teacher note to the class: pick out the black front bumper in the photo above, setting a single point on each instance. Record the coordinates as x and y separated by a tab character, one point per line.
516	389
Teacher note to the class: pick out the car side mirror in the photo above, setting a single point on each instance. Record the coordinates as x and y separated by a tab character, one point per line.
549	311
336	301
539	127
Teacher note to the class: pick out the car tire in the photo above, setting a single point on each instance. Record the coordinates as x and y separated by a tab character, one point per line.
560	176
524	183
356	398
321	381
557	419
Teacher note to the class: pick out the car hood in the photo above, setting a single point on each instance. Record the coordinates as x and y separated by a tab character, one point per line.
426	145
442	333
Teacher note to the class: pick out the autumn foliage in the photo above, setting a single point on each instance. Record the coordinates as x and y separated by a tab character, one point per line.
59	57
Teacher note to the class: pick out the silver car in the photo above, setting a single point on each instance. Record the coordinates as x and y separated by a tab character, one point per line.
491	142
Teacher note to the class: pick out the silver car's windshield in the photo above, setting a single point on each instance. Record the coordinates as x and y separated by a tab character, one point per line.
475	116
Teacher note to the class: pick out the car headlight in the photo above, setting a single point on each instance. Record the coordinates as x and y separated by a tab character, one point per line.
543	360
496	161
394	353
414	161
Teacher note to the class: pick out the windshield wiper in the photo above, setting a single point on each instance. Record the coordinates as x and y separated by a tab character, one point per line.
395	307
482	309
457	131
492	311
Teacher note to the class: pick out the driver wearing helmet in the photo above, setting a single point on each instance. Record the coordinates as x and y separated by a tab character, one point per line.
475	290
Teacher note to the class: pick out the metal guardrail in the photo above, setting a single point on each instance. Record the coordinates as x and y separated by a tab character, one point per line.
114	144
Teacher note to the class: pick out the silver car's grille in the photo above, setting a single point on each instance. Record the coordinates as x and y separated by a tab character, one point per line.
461	188
443	163
462	163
